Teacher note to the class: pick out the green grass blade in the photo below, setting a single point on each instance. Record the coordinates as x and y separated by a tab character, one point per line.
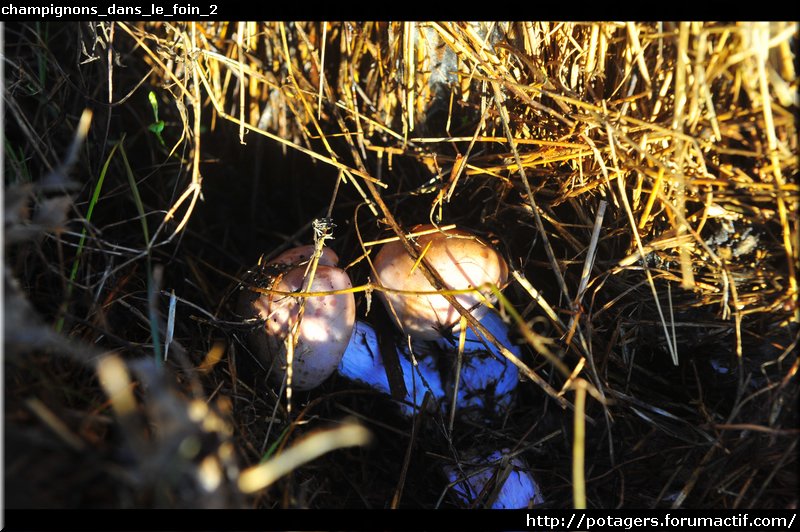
76	262
152	290
274	447
137	199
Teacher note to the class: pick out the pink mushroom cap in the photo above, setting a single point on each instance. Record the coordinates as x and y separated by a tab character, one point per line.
462	260
326	326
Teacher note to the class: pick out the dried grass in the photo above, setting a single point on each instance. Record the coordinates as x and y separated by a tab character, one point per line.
641	178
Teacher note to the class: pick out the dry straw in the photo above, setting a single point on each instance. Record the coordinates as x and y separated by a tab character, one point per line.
641	179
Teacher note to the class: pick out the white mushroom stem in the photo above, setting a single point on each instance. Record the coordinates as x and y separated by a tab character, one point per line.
524	369
494	480
362	362
487	379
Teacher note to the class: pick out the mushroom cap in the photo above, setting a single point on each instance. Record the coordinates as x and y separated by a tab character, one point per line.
463	261
324	331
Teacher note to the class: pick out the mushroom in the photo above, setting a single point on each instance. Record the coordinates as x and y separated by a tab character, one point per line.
362	362
486	383
487	379
327	321
475	482
462	260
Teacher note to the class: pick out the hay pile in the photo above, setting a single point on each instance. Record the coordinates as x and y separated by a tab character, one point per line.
641	179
